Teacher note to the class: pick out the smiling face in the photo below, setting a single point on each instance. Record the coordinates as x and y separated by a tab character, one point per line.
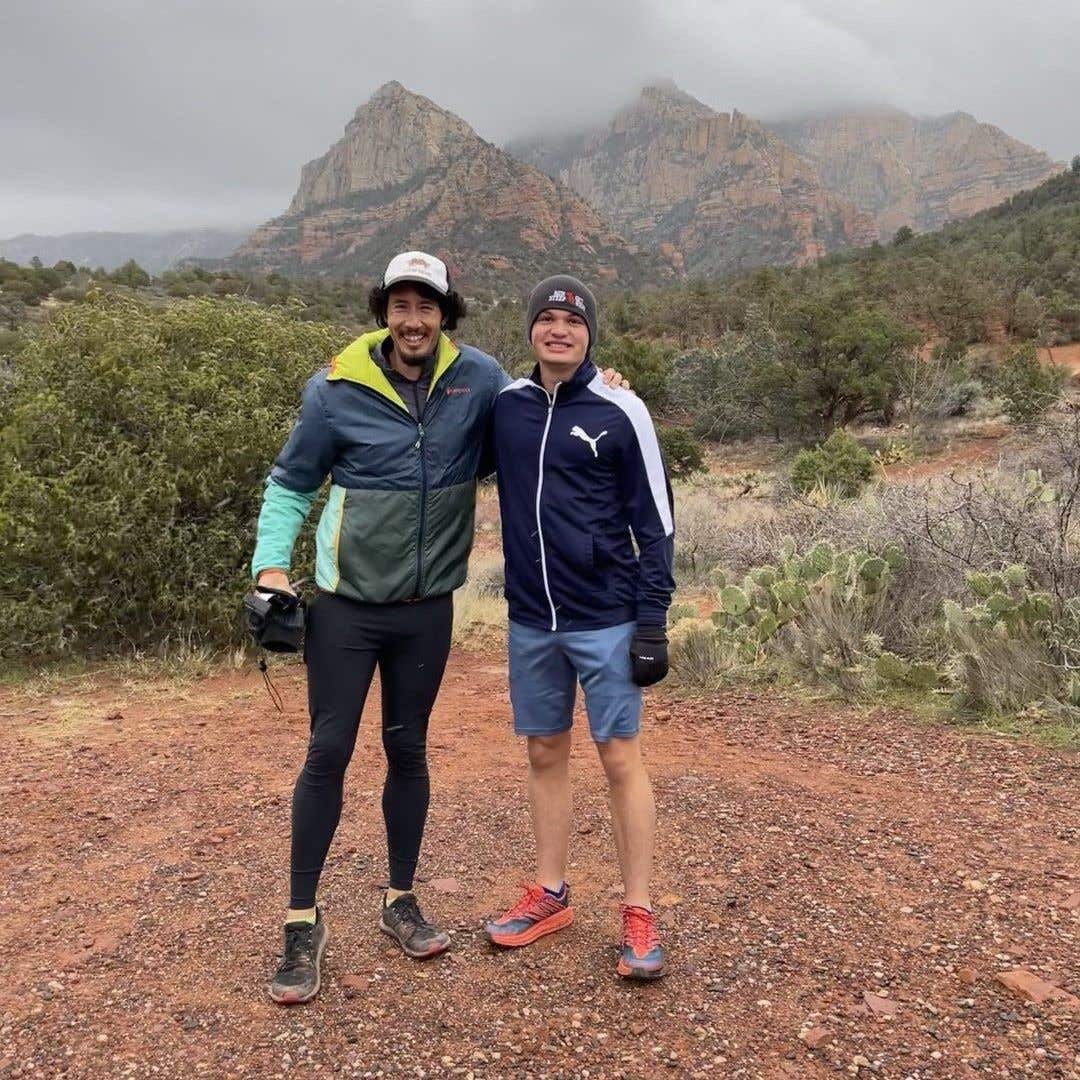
560	340
414	319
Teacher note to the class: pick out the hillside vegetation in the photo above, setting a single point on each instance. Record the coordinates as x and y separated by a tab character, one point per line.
138	418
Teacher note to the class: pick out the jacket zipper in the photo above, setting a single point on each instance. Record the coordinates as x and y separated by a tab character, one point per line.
419	447
539	489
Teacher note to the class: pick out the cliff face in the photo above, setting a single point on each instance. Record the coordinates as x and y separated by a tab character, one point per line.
409	174
715	191
920	172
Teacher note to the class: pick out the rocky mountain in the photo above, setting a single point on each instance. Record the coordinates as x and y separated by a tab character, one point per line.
153	251
716	192
410	174
921	172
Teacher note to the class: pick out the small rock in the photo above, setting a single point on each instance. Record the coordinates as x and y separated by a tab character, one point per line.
1072	903
815	1037
1032	988
966	975
584	830
669	900
878	1005
445	885
353	982
662	716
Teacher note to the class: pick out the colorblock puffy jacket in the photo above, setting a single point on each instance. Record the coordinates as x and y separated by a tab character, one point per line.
579	473
398	521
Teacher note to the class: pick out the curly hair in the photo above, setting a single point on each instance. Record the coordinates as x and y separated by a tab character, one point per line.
452	305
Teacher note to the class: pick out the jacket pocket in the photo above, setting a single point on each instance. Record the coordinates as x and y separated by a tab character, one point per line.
581	553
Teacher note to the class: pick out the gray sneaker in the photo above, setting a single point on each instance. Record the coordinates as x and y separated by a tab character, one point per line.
403	921
297	978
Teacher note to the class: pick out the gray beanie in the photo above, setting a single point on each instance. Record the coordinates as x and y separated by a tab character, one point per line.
566	293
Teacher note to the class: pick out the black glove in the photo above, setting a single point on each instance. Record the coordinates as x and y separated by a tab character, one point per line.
275	618
648	655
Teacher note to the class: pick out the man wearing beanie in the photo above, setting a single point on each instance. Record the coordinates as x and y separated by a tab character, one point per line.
581	480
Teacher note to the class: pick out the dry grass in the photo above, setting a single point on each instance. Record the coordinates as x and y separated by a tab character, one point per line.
479	605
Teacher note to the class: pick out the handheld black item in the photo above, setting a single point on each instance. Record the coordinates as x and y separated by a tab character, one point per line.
275	618
649	655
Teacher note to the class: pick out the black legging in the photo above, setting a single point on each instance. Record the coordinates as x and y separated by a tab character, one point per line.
346	639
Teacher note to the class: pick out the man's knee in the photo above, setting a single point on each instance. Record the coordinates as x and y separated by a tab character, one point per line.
621	759
406	750
549	751
327	758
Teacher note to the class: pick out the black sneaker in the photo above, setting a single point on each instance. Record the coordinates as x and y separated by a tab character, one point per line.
297	977
403	921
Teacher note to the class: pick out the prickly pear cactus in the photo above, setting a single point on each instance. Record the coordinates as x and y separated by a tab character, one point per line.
749	615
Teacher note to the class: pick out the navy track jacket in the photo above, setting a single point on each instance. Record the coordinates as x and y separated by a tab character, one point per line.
578	472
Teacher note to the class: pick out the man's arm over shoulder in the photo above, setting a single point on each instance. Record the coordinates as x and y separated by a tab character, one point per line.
495	380
646	496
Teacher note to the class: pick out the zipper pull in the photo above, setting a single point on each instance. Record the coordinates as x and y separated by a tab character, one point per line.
419	436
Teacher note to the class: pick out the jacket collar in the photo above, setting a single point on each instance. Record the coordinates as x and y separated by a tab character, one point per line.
581	378
355	363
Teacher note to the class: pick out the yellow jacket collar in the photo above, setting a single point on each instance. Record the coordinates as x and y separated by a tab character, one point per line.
355	364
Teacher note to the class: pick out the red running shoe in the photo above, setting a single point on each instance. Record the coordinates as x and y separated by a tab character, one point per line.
537	913
642	956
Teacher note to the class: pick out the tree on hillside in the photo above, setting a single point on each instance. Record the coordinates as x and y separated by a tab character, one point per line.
844	367
132	274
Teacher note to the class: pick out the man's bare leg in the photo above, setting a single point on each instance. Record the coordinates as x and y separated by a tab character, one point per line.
633	814
549	804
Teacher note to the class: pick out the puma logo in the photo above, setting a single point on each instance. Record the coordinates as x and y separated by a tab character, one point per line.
580	433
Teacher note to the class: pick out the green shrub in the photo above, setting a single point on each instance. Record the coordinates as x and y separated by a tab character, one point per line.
839	464
134	443
683	454
645	364
1027	385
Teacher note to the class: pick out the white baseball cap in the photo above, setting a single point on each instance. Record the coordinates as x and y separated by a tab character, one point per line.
420	267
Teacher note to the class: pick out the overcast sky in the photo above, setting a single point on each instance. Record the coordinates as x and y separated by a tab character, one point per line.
140	114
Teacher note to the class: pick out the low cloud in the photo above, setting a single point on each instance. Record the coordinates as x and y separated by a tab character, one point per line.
124	115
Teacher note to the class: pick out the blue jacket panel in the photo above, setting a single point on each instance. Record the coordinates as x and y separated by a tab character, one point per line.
581	479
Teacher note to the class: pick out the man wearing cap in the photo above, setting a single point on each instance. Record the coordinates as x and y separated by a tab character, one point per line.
581	480
397	422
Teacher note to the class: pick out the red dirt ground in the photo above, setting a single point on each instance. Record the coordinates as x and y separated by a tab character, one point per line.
852	881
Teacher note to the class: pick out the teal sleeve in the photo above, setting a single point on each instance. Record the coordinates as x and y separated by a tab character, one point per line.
282	515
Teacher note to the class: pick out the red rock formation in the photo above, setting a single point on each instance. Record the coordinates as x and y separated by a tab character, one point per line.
920	172
715	189
409	174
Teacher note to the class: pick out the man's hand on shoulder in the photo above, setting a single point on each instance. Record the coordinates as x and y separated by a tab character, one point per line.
613	379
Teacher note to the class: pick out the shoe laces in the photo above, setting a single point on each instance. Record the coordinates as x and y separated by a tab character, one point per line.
639	928
532	895
299	944
408	911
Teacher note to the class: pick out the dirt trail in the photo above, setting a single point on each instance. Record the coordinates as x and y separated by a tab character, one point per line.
818	870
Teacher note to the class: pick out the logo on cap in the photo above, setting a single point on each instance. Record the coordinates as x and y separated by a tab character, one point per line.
565	296
417	260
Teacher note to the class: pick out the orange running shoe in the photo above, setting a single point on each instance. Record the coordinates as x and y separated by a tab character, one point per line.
537	913
642	955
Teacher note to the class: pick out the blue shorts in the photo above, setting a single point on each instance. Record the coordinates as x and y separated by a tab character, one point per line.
546	666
